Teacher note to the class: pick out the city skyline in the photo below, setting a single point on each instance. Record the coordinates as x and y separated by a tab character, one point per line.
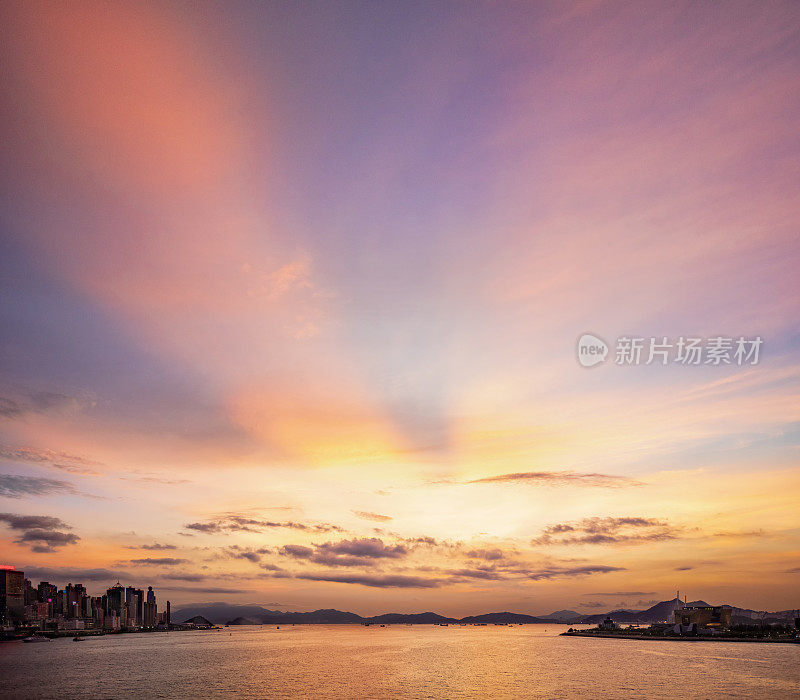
52	608
290	296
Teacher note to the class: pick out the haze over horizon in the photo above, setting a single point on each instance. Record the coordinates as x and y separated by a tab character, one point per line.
290	295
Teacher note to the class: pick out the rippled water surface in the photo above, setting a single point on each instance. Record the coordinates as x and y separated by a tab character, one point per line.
393	662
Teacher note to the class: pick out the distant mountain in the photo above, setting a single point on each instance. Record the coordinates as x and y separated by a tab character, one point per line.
745	616
323	617
317	617
244	621
198	620
567	615
221	612
503	618
426	618
256	615
336	617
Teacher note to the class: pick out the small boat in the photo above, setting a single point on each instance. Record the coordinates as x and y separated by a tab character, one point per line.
76	638
37	638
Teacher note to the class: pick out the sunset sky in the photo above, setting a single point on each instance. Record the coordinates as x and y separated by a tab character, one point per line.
290	295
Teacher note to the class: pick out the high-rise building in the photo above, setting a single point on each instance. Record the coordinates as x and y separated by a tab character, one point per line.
74	600
12	594
115	599
31	594
139	606
134	598
47	592
150	610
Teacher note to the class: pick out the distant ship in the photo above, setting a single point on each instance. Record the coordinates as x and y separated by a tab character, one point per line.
37	638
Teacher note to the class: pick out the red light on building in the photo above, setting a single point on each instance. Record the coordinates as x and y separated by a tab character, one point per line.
6	567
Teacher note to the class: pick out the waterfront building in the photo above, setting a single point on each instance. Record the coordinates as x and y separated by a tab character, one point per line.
608	624
112	622
703	616
37	611
12	594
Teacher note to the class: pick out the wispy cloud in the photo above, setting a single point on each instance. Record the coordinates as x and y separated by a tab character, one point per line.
483	574
46	540
24	402
206	589
625	530
571	571
487	554
376	517
14	486
369	547
185	577
621	593
239	523
254	555
356	552
159	561
374	581
64	461
297	551
561	478
38	531
68	573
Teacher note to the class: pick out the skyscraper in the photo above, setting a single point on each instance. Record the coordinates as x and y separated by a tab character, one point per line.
115	599
150	610
12	594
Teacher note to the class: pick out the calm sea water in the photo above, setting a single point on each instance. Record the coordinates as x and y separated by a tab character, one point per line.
393	662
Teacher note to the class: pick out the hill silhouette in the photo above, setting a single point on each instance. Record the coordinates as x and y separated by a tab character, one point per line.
219	613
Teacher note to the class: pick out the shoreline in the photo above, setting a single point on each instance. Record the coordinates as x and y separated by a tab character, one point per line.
663	638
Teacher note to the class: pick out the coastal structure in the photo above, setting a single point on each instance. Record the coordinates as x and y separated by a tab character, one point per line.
703	616
607	624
